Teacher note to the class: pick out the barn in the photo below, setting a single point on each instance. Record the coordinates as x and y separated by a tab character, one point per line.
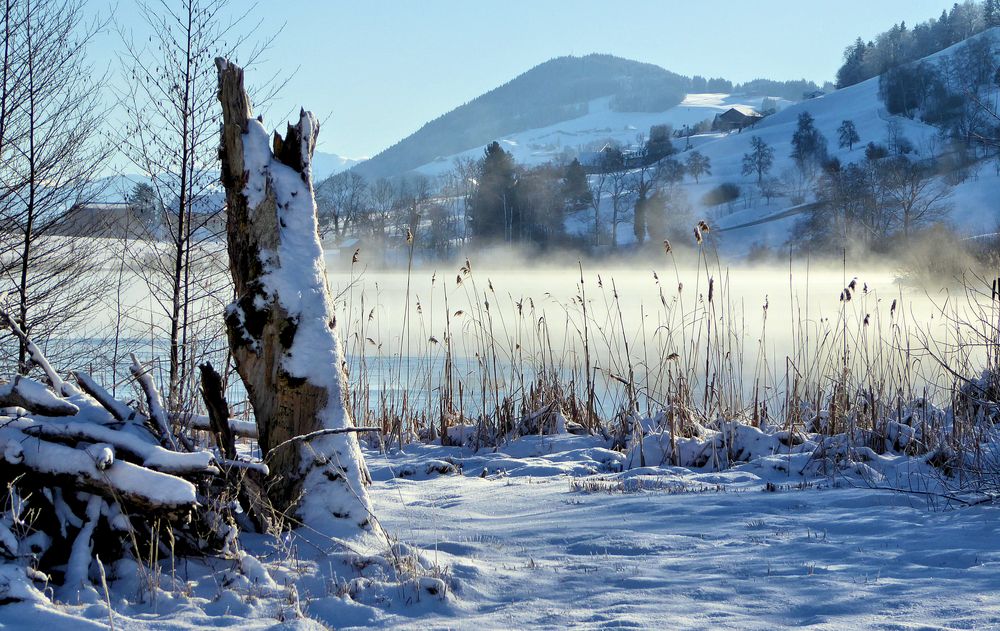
736	118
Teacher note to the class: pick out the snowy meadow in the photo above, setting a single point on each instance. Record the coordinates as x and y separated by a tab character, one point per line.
604	347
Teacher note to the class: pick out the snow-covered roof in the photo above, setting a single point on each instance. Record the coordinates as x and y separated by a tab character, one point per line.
742	109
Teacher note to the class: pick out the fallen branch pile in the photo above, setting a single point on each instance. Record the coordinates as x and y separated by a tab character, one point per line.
88	476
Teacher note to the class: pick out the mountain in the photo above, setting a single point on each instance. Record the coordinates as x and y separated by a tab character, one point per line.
601	124
557	90
326	164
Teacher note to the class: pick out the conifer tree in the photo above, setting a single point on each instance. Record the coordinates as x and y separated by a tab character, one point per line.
808	145
492	211
575	189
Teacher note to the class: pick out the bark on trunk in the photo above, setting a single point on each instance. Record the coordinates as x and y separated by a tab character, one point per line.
281	326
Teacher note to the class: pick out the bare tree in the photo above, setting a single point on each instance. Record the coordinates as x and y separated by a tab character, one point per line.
623	183
382	199
462	187
598	186
171	137
51	115
917	195
343	196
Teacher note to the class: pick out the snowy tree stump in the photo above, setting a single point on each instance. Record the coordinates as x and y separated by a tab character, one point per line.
281	326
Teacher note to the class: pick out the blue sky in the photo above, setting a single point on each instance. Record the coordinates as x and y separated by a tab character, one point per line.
376	70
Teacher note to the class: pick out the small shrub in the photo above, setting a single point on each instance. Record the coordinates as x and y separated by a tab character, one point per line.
721	194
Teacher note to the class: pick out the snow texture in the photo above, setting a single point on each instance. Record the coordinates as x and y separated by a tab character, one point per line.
549	532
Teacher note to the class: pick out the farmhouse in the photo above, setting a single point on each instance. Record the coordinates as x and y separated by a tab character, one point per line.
736	117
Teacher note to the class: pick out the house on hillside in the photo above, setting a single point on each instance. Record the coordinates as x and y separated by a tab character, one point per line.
612	157
737	117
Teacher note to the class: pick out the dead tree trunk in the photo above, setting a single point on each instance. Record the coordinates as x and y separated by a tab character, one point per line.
281	326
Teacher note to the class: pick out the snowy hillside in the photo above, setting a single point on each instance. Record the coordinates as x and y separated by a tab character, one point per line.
974	207
326	164
599	125
751	220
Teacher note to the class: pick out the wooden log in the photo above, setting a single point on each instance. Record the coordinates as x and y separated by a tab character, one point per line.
242	429
119	410
156	413
127	445
34	397
60	465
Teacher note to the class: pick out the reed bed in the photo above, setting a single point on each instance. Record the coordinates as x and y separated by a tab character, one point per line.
467	362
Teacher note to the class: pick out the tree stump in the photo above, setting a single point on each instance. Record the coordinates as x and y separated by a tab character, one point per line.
281	325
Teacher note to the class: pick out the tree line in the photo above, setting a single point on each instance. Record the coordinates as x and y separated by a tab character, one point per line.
900	45
495	200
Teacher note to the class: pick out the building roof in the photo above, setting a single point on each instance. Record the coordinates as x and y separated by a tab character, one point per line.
741	110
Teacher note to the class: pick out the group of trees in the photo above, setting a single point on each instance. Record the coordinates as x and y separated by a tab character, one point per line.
490	200
516	204
865	203
56	139
900	45
886	194
644	191
809	150
791	90
943	93
379	210
496	200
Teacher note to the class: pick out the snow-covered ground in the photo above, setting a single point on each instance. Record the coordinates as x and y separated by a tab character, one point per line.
673	548
547	533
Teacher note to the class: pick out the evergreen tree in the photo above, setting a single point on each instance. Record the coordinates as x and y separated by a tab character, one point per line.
759	160
698	165
853	70
808	145
659	144
145	207
492	211
942	31
848	135
575	188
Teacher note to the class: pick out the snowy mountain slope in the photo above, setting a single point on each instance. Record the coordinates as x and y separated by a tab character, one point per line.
554	91
974	207
326	164
599	125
